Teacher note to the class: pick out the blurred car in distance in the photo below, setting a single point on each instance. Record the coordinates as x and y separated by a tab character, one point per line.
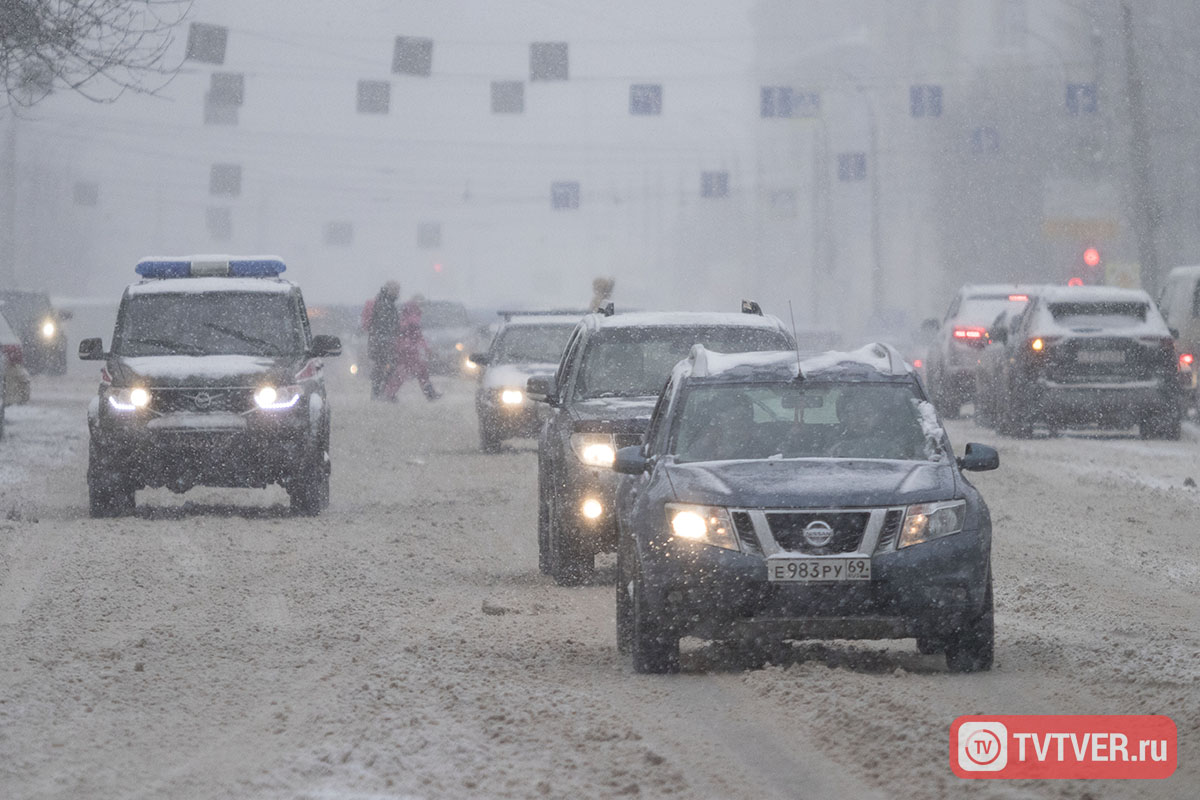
16	378
1089	356
39	326
1179	303
528	344
954	353
451	335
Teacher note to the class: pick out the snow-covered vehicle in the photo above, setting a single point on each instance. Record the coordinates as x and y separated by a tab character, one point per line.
39	325
776	499
600	399
525	346
1091	355
213	379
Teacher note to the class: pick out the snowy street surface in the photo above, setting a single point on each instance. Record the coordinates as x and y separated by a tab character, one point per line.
404	645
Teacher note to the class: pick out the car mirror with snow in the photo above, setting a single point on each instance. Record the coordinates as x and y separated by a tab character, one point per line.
92	349
979	458
480	358
540	389
325	346
630	461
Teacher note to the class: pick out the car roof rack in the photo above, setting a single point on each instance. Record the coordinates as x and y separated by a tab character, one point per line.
562	312
607	310
751	307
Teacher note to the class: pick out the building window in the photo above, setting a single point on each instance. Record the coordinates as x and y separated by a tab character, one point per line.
206	43
1082	98
412	56
225	180
925	100
852	166
714	184
429	235
645	99
87	193
548	61
508	97
374	97
786	102
985	140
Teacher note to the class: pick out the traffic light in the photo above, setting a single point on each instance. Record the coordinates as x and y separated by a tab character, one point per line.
1089	269
1091	257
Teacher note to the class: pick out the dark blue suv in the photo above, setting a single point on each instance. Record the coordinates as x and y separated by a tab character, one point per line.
777	499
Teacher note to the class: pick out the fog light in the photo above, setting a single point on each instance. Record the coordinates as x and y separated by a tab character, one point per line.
139	397
354	369
512	397
592	508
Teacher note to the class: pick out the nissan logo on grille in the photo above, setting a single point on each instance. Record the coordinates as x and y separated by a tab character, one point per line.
818	533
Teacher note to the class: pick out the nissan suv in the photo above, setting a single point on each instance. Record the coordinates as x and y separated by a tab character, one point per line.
777	499
600	399
213	379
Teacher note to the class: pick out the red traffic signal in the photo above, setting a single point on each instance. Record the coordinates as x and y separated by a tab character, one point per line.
1091	257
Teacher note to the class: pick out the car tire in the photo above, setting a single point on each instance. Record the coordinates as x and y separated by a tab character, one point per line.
109	495
653	643
488	441
309	491
971	648
543	533
570	562
1168	427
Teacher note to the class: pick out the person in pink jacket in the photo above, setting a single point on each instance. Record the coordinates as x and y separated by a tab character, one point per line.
412	354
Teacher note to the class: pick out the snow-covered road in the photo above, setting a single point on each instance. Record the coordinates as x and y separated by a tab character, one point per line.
404	645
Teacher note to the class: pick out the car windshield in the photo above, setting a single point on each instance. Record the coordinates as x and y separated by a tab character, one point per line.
980	309
635	362
531	344
731	421
1099	315
195	324
444	315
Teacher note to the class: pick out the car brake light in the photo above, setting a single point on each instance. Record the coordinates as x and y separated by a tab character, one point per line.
974	334
1185	360
1019	298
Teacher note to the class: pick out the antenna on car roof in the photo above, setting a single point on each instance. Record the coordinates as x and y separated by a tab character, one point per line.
796	339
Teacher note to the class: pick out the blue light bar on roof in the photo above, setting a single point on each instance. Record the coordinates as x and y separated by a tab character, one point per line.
205	267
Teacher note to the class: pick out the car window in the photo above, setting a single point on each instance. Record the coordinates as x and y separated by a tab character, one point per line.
1099	315
656	434
635	362
564	366
983	308
812	420
193	323
530	344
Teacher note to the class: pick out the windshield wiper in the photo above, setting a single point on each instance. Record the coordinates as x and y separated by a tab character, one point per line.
174	347
245	337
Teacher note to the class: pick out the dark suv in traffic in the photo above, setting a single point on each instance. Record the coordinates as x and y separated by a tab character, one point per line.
39	324
213	379
775	499
600	399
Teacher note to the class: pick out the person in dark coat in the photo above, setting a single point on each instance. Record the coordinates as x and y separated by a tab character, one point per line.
412	354
383	326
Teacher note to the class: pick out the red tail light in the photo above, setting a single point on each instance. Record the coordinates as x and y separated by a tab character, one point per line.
970	336
1185	360
13	353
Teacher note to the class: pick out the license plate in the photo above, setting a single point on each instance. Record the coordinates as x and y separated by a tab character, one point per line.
811	570
1100	357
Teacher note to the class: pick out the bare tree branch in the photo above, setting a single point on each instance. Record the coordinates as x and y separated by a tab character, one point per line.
99	49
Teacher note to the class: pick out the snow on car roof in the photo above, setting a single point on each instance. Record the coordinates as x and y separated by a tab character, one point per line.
202	285
985	289
878	357
1094	294
543	319
649	319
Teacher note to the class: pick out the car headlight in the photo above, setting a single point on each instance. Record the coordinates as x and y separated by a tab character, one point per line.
594	449
48	329
275	398
704	524
512	397
928	521
130	399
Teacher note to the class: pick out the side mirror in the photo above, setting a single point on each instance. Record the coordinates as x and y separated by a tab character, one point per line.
92	349
481	359
325	346
1174	332
540	389
999	335
979	458
63	314
630	461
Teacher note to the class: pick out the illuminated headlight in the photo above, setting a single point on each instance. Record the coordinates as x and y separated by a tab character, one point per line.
48	329
928	521
704	524
458	346
591	508
469	365
129	399
594	449
271	398
354	369
512	397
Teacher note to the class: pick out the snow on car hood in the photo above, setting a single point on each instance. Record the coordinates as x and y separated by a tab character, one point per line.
184	370
514	375
811	483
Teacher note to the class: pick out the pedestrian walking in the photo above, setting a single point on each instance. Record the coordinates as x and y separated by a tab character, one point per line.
412	354
383	326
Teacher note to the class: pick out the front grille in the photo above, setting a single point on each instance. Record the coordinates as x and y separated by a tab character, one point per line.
847	528
203	401
627	440
891	528
745	532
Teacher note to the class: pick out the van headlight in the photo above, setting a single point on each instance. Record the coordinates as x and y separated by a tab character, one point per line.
710	525
512	397
48	329
130	399
275	398
928	521
594	449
